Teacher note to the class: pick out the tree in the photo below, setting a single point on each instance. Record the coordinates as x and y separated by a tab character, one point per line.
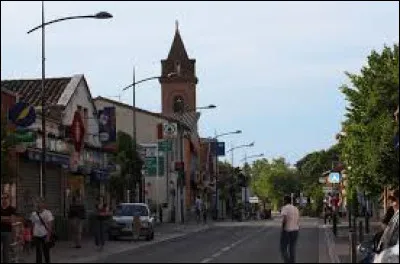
129	165
367	147
310	168
272	180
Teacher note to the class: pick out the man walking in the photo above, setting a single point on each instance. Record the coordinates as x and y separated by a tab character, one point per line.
290	230
76	216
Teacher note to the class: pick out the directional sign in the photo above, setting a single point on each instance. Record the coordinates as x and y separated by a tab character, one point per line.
165	145
22	114
170	130
151	166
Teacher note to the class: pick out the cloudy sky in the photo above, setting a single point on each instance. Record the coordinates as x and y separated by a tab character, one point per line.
272	68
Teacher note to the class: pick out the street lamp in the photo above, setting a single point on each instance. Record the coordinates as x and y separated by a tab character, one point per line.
232	150
216	166
252	156
133	86
211	106
100	15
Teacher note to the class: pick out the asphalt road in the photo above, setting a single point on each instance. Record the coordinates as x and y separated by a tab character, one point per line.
246	242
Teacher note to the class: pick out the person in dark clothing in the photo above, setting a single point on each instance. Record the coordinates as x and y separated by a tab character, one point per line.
102	214
76	216
388	216
8	214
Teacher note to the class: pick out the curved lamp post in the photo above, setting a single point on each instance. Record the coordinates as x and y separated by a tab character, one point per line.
232	150
100	15
216	166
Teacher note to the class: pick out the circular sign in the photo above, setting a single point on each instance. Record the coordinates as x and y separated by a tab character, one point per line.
22	115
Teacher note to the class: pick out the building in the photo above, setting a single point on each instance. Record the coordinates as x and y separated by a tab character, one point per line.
178	97
162	189
8	100
69	171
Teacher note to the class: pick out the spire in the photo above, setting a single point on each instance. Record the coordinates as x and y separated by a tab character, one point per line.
177	51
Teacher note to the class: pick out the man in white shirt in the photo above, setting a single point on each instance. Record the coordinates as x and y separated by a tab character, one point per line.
42	220
290	230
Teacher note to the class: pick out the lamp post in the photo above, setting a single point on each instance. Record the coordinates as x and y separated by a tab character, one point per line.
216	166
100	15
133	85
232	150
182	178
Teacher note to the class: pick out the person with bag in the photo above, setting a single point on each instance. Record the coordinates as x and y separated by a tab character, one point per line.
43	237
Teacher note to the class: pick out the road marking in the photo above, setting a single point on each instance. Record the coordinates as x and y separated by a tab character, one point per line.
227	248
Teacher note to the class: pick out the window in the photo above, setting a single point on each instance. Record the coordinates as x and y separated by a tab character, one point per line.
131	210
179	104
178	68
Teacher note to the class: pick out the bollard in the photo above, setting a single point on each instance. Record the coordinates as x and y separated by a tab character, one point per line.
360	232
353	246
334	224
367	224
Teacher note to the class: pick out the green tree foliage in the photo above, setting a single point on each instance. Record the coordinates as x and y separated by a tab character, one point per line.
367	147
271	180
130	164
224	179
310	168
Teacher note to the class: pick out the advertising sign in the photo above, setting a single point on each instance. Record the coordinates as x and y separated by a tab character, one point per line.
108	127
77	131
218	147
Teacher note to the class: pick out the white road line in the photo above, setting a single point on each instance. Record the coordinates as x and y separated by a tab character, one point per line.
216	255
227	248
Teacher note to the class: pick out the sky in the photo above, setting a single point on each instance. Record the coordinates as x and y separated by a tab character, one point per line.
272	68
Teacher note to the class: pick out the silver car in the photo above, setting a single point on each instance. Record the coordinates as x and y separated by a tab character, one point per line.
122	221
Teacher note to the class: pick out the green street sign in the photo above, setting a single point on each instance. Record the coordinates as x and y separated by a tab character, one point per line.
26	137
165	145
151	166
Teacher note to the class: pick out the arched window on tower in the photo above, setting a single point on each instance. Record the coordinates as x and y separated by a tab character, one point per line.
179	104
178	68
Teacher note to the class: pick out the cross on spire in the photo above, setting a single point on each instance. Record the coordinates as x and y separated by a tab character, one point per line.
176	25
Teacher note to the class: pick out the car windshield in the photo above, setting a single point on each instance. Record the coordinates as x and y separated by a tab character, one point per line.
131	210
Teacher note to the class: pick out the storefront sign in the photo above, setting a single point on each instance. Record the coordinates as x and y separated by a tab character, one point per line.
51	158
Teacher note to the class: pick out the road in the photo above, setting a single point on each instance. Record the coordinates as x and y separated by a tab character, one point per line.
246	242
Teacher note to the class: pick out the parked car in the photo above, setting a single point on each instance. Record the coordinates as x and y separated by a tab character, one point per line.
387	249
123	218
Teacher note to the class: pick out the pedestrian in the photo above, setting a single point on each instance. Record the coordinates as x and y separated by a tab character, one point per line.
102	213
290	230
76	215
198	205
8	214
205	209
27	236
42	221
393	208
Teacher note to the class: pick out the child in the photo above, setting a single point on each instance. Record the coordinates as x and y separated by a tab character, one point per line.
27	236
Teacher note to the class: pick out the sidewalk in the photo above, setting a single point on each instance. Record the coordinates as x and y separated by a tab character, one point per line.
339	246
64	252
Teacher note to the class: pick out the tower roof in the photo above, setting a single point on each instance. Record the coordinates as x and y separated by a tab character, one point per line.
177	51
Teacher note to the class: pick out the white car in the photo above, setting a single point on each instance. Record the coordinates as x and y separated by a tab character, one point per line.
122	222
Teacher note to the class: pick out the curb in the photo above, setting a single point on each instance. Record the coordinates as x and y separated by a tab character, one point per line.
104	255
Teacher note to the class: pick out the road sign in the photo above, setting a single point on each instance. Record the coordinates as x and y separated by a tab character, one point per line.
151	166
165	145
170	130
22	114
334	177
